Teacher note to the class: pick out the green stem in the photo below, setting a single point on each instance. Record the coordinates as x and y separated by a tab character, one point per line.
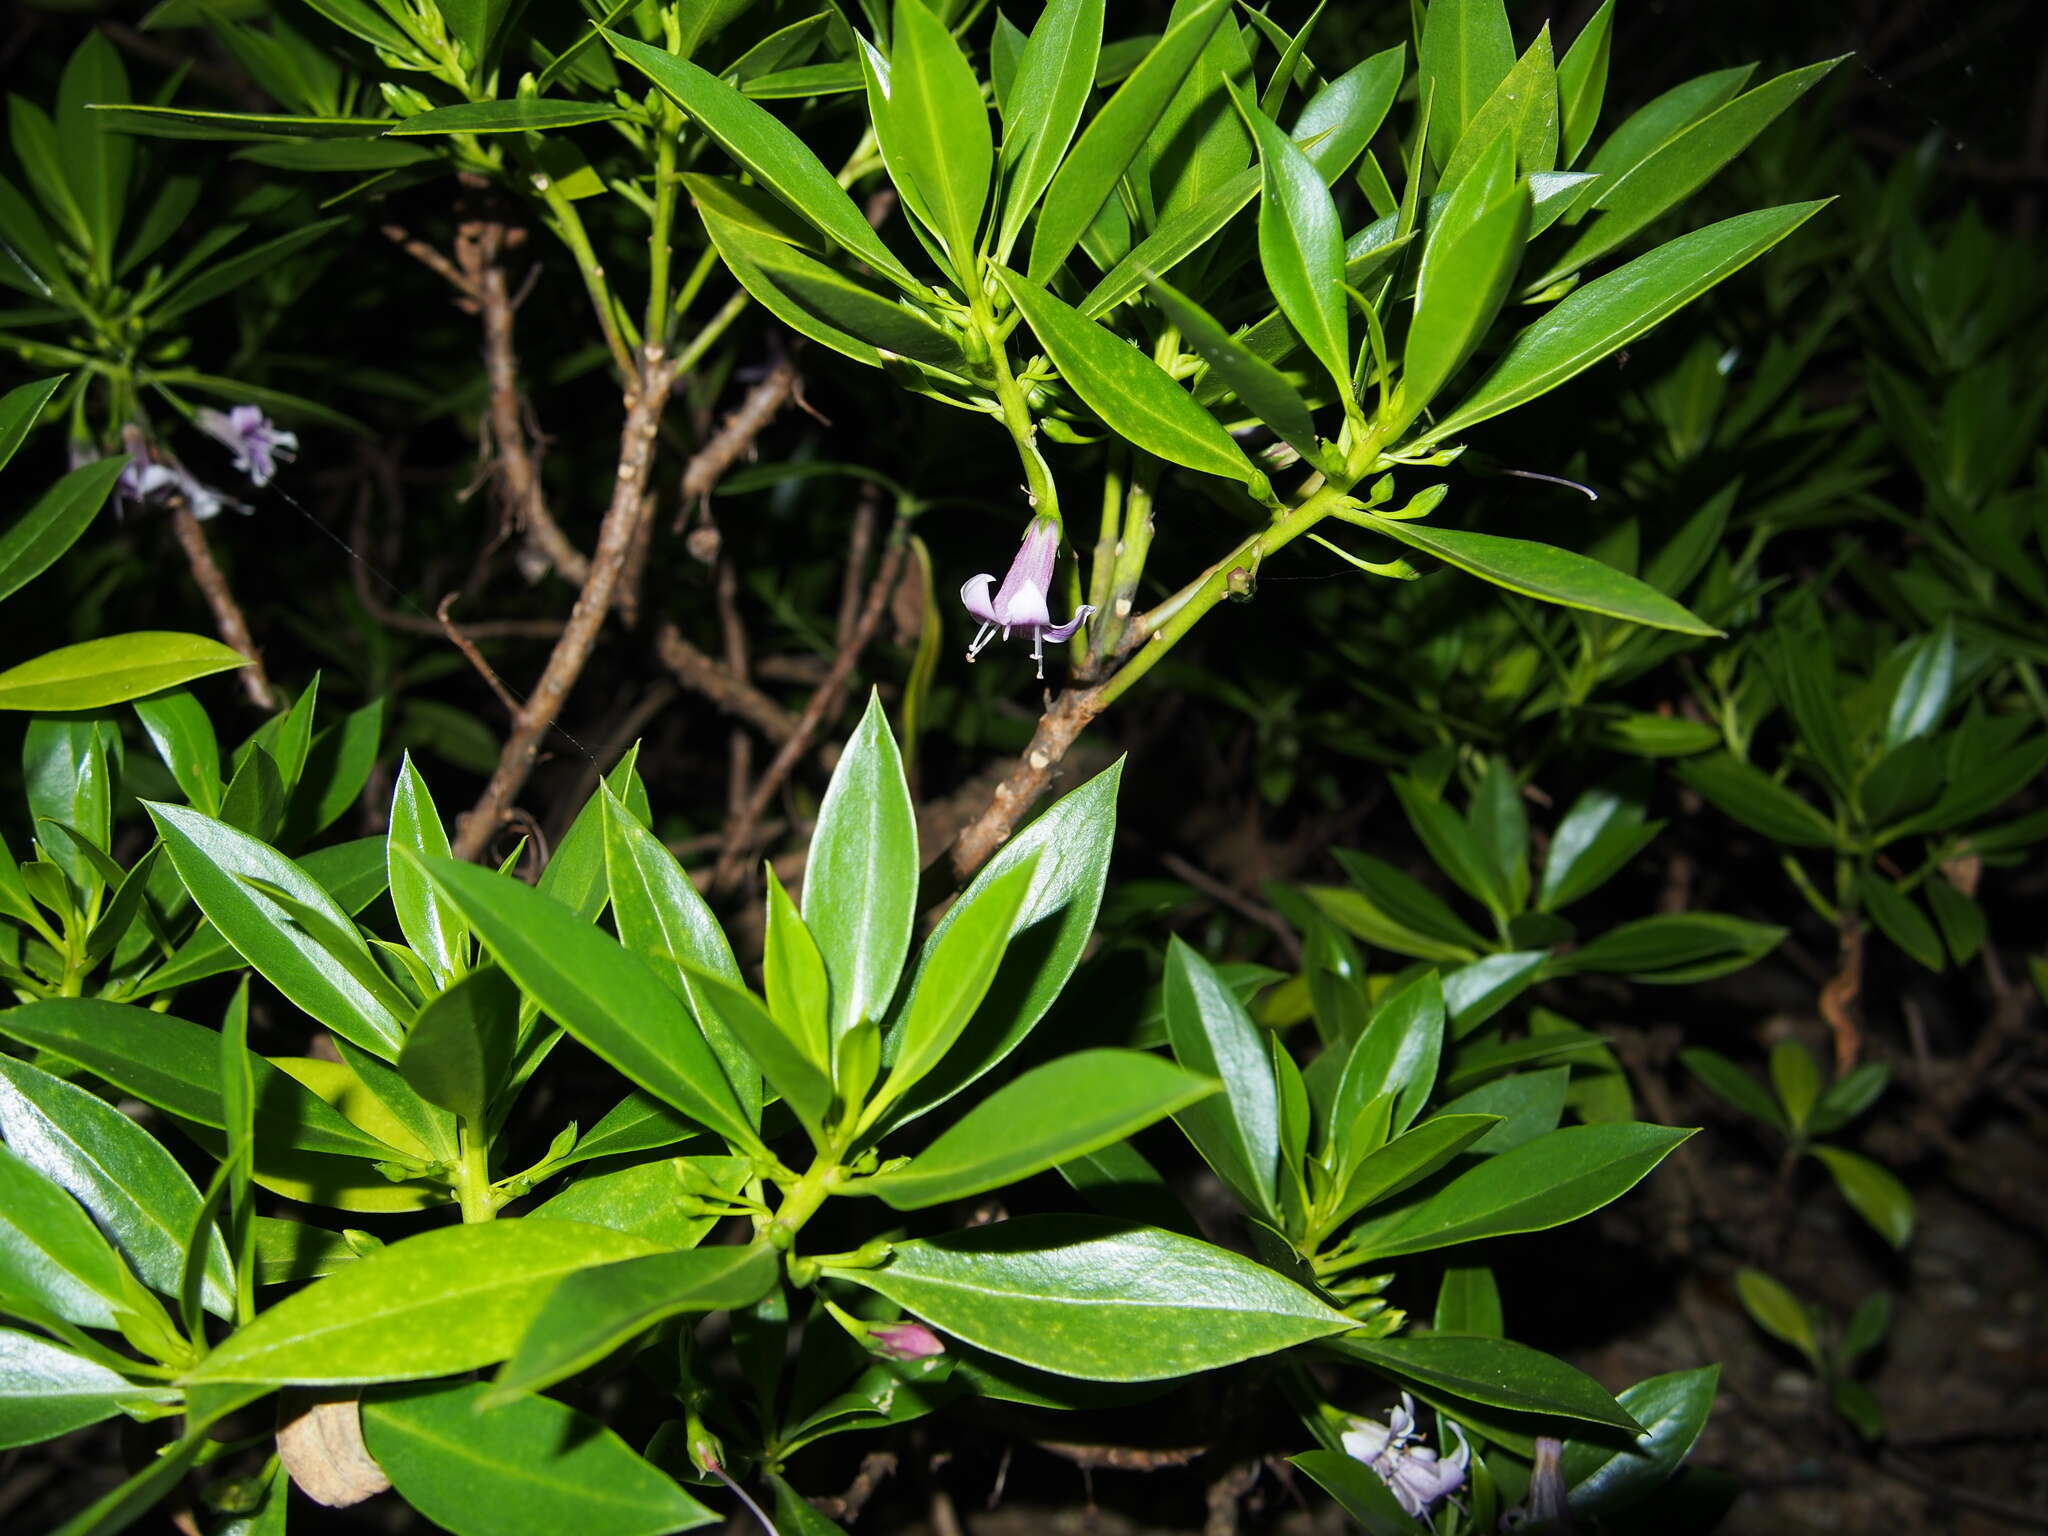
568	225
714	328
473	1174
658	253
1016	411
1127	568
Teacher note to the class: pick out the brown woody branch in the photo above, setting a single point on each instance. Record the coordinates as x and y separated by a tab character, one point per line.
1063	721
228	619
735	435
733	694
630	505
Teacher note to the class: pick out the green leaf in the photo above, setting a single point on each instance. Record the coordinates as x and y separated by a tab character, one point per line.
321	968
97	164
1756	800
1541	1184
185	123
941	128
1900	919
1677	948
594	1311
1466	50
1964	925
1500	827
1043	107
1924	687
1672	1409
59	516
1138	399
528	1467
1848	1097
1089	174
860	882
1874	1190
1795	1076
112	670
774	155
1777	1311
175	1065
1733	1086
52	1257
1523	109
1396	1054
444	1301
1064	1109
211	281
1099	1299
1673	172
20	408
1177	236
179	729
435	930
338	764
954	973
1361	1492
1238	1132
1409	1158
47	1391
129	1184
1410	905
1468	1301
1301	245
518	116
596	990
1582	83
1256	382
1341	119
793	979
648	1199
1611	311
1544	572
1602	831
1475	243
1069	846
459	1049
663	919
1498	1373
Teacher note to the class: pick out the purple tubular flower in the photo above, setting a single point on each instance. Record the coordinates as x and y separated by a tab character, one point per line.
252	437
1413	1473
905	1341
1020	603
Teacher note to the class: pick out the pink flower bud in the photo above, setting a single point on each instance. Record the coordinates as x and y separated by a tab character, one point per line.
906	1341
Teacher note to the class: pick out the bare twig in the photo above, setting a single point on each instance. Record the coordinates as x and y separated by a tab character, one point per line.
476	657
629	504
824	703
1238	902
220	597
874	1467
715	681
1838	997
735	435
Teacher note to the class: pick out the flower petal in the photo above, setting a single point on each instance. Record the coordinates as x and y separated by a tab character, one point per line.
1023	609
1059	632
974	596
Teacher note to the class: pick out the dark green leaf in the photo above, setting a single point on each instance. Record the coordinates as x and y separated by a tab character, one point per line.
58	517
1673	1410
1495	1372
517	116
459	1049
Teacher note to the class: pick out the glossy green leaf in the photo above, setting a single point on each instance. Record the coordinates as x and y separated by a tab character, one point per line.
338	764
1238	1131
1677	948
793	979
1475	243
322	969
128	1183
1255	382
528	1467
20	408
435	930
1177	236
663	919
1099	1299
1848	1097
186	123
954	973
1466	50
1498	1373
1365	1497
515	116
1064	1109
1544	1183
941	128
1756	800
1468	1301
1088	176
1546	573
1396	1054
1134	395
599	992
113	669
1043	107
1410	1157
440	1302
774	155
1301	246
1341	119
1673	172
1582	83
459	1049
1672	1410
1733	1086
860	882
1899	918
58	517
1611	311
1873	1190
52	1257
179	728
1069	846
804	1082
1599	834
47	1391
648	1200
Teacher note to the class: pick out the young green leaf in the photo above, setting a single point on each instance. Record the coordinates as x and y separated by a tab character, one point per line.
1522	109
1301	246
460	1048
434	929
1874	1190
941	129
1397	1054
1467	48
1582	83
52	1257
57	519
1255	382
1475	243
1237	1133
1043	107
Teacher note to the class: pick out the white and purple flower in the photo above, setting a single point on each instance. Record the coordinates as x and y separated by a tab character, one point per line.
1021	601
1416	1476
252	437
